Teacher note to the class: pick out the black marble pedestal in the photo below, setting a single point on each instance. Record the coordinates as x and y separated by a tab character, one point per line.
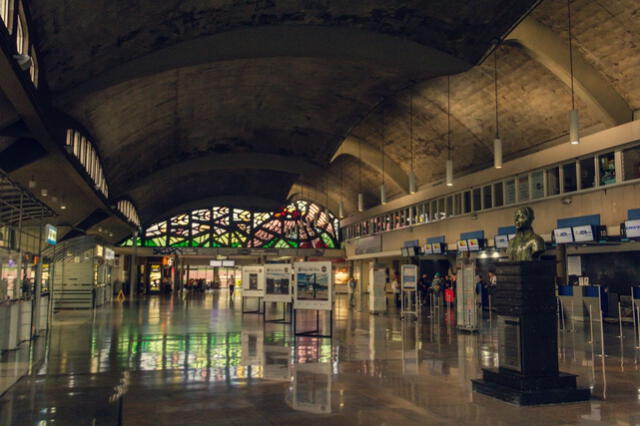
527	339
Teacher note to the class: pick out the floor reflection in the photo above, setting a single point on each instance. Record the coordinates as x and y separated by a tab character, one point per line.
199	360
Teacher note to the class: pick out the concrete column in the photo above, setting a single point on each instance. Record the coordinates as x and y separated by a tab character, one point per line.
133	269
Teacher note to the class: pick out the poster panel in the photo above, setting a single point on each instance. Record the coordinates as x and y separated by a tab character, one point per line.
278	280
253	281
409	276
313	285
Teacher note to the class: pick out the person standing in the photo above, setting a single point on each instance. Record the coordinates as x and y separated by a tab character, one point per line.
423	288
352	291
395	287
436	288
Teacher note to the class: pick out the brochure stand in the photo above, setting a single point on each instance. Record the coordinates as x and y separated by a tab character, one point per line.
252	287
313	291
409	304
278	279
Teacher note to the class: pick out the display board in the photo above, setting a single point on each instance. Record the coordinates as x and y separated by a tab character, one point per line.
313	285
428	249
253	281
377	281
278	280
409	277
466	306
462	245
473	244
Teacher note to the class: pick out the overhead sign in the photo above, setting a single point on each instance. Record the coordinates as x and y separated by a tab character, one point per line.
632	228
582	234
473	244
437	248
409	276
228	263
462	245
563	235
51	233
215	263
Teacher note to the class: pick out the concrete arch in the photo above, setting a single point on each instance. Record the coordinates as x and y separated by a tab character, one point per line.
546	47
394	53
372	156
228	161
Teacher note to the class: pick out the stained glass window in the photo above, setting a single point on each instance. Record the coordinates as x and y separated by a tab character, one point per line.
300	224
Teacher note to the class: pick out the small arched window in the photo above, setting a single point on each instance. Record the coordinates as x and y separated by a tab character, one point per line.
22	34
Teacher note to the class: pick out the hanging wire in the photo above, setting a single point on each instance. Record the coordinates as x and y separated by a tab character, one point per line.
411	127
449	117
573	100
382	142
495	84
360	165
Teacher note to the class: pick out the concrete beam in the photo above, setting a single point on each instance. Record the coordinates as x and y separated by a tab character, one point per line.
546	47
228	161
385	51
373	157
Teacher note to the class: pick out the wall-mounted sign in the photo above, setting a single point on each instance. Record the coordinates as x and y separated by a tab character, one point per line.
582	234
632	228
563	235
502	241
51	233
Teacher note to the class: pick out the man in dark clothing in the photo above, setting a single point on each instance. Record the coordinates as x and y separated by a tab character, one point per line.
423	288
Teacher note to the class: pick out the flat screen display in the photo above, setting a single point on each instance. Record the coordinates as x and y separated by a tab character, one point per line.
563	235
632	228
583	234
462	245
502	241
473	244
436	248
428	249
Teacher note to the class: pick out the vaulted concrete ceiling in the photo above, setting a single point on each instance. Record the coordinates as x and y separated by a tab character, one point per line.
160	84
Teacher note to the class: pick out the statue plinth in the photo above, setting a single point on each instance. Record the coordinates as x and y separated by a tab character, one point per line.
527	339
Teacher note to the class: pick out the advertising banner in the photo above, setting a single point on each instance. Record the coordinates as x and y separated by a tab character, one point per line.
278	283
313	285
253	281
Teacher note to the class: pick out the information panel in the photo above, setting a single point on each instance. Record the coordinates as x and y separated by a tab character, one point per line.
502	241
409	276
253	281
278	283
583	234
313	285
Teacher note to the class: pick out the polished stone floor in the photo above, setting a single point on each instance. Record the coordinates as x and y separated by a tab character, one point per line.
198	360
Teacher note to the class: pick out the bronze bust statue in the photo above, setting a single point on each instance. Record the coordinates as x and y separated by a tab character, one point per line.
526	245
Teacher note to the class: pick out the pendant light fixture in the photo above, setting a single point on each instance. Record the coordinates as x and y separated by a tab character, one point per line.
574	124
497	142
383	191
412	175
449	166
360	195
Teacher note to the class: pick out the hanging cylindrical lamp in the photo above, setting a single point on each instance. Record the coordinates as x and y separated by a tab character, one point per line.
449	166
412	175
574	125
360	195
341	203
497	142
383	191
